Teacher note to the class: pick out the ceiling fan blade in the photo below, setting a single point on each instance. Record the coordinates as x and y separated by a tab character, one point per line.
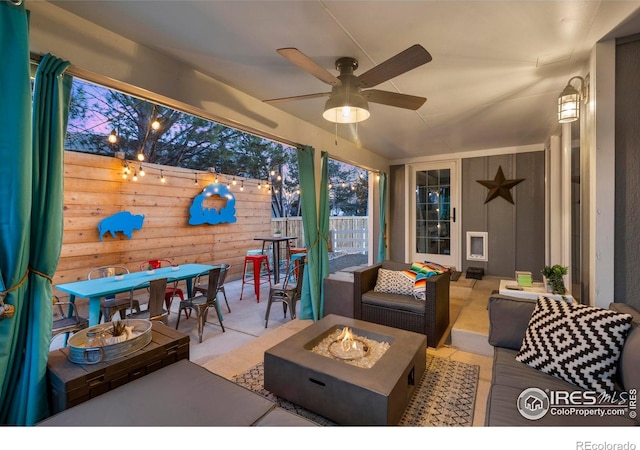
403	62
394	99
307	64
298	97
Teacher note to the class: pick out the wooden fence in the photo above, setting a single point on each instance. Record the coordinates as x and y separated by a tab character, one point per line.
347	233
94	189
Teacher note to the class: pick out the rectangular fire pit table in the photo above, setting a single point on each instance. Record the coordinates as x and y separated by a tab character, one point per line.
342	392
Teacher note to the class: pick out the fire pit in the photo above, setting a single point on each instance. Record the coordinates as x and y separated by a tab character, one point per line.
345	387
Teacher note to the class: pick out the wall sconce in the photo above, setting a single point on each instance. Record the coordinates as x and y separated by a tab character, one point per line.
569	100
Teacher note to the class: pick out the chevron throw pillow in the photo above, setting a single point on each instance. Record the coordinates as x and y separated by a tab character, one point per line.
576	343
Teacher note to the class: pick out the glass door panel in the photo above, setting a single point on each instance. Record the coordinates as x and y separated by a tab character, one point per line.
433	236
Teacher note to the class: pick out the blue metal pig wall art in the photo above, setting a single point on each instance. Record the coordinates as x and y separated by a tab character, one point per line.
123	221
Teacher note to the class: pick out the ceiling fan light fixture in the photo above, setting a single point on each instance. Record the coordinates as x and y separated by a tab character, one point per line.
344	108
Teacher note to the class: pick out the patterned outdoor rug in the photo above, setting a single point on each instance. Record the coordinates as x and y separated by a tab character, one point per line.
445	397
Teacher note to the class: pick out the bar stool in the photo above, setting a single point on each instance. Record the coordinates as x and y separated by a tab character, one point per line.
294	262
255	261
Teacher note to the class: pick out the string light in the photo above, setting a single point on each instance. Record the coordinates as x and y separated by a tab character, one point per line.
113	137
155	124
140	155
132	167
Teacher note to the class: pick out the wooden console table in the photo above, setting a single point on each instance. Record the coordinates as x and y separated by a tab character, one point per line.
71	384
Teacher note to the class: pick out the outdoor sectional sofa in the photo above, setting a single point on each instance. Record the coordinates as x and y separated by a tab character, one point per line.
429	317
180	394
508	321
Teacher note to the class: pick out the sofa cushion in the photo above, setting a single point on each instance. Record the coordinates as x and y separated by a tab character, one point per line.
577	343
394	301
393	282
508	320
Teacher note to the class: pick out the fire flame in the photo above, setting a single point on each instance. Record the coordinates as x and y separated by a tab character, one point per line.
346	340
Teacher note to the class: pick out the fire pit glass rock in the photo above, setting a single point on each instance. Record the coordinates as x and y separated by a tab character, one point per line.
360	351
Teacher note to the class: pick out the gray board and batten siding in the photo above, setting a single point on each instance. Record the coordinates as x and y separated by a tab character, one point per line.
515	231
627	172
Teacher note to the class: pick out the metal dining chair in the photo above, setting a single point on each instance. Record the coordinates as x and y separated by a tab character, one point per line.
155	309
199	287
66	319
200	304
287	292
111	305
172	288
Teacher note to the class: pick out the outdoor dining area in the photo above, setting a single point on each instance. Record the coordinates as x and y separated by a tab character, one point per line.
162	289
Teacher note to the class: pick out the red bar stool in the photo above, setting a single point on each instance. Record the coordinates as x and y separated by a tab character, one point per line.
258	279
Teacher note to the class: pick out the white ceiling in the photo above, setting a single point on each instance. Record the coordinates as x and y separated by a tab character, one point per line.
497	69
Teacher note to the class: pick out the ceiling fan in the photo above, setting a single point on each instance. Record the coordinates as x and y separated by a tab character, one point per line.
349	96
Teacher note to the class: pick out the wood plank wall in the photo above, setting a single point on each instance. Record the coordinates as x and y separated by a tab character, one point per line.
94	189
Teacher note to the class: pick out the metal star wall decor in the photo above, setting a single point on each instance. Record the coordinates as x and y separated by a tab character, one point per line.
499	186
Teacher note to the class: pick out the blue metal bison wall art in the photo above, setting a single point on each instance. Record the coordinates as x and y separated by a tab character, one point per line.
124	222
226	213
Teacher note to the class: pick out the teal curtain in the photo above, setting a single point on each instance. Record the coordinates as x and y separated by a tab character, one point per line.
33	155
15	192
382	194
315	235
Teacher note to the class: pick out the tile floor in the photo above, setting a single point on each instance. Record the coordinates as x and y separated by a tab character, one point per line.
245	339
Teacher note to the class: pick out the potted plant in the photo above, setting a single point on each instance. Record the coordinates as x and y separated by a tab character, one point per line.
150	270
277	233
554	278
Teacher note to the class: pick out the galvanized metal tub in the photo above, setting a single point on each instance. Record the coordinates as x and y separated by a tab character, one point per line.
80	353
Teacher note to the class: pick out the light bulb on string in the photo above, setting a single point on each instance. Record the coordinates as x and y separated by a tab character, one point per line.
140	156
155	124
273	172
135	175
234	182
195	181
142	172
113	137
242	185
162	179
